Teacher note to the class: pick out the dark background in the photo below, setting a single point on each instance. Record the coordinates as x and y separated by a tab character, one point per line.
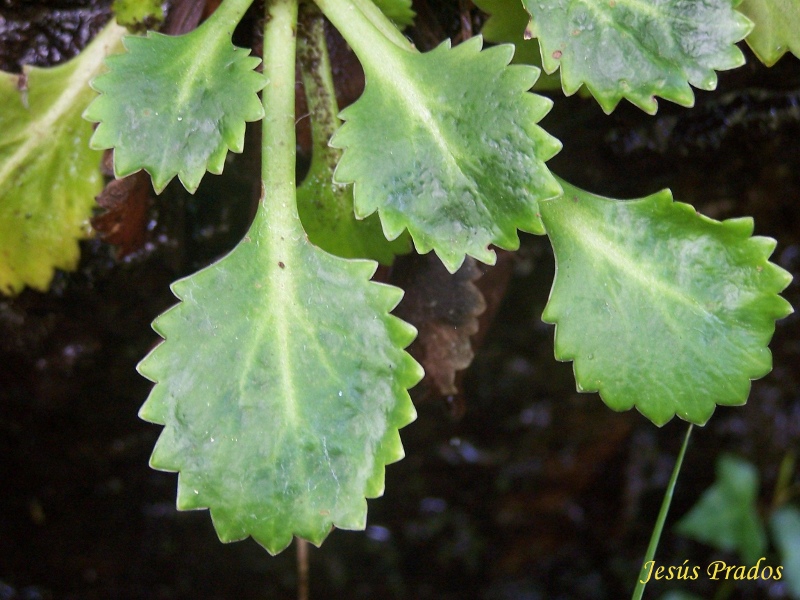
536	492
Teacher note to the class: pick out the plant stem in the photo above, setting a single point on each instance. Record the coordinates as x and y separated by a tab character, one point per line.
315	69
383	23
276	220
373	43
662	515
302	569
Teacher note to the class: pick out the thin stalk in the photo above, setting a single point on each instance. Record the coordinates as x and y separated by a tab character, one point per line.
662	516
315	69
383	23
302	569
278	210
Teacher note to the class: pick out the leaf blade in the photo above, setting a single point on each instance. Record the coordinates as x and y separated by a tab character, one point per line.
186	97
48	175
471	171
777	28
637	50
658	307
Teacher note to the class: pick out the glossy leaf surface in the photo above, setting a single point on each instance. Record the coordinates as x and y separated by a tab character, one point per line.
777	28
176	105
281	383
638	50
282	380
48	175
726	516
661	308
445	144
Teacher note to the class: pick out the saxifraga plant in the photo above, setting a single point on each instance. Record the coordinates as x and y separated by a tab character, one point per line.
283	378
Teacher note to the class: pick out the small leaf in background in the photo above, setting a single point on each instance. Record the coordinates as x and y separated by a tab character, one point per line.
326	210
48	175
506	25
726	516
445	144
638	50
399	11
138	15
187	99
659	307
680	595
777	28
444	308
281	384
785	528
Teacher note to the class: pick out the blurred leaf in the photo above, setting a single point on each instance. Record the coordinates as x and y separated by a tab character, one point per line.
777	28
726	516
138	15
638	50
785	528
399	11
48	175
661	308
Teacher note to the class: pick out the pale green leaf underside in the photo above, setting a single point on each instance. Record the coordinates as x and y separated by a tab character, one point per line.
785	528
282	384
399	11
506	25
326	211
638	49
176	105
661	308
726	516
777	28
446	145
48	175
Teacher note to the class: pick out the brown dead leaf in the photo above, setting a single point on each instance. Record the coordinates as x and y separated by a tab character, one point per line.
444	308
123	222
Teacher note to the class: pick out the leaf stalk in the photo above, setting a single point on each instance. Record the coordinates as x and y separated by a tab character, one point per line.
638	591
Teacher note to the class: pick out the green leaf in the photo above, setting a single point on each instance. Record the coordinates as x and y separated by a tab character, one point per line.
399	11
726	516
444	144
506	25
282	384
138	14
283	380
785	527
679	595
638	50
326	210
777	28
176	105
48	175
661	308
